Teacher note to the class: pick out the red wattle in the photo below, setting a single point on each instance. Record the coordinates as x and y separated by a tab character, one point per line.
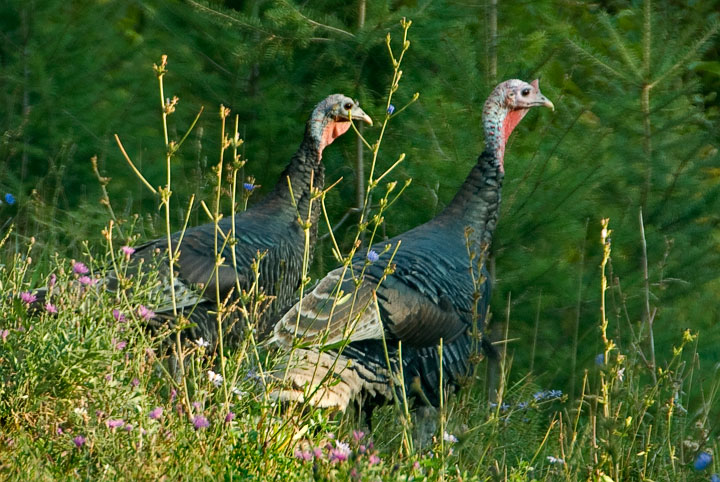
332	131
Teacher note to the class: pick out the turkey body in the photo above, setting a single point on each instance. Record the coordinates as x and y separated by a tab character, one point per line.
437	291
268	232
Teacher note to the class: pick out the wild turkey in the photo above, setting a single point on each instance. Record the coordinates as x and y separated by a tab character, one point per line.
270	226
428	297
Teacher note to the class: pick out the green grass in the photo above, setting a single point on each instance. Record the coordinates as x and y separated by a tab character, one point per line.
79	372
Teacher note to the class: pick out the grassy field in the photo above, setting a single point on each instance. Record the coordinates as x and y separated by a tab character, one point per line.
86	394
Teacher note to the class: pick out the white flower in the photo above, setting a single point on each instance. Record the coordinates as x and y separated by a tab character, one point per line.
342	447
448	437
202	343
216	378
555	460
239	393
621	374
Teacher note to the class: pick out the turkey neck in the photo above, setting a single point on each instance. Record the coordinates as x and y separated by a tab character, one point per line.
477	203
304	170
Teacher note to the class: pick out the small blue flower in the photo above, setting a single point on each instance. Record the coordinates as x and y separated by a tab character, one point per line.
702	461
372	256
10	199
547	395
391	109
715	478
248	186
600	359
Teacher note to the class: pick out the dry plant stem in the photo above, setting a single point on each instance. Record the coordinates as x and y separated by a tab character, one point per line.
580	403
132	166
218	258
165	195
649	317
105	199
605	240
544	441
442	411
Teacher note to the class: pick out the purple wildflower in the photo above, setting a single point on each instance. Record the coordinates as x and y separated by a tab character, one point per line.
79	441
340	453
416	465
135	382
358	435
127	251
115	423
86	280
80	268
128	428
338	456
50	308
374	459
229	417
27	297
145	313
391	109
120	345
306	456
372	256
59	431
362	449
4	334
119	317
200	422
248	186
52	280
702	461
317	452
156	413
197	406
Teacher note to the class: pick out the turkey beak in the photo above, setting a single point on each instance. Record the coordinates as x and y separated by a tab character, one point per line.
359	114
541	100
544	101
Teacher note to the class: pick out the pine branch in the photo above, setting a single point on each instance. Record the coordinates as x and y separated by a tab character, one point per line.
690	54
600	61
630	58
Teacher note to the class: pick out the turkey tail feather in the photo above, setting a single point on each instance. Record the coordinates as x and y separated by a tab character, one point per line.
329	380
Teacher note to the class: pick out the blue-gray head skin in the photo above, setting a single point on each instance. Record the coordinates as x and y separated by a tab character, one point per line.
504	109
331	118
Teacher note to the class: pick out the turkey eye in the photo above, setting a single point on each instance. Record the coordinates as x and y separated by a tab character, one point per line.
525	92
348	106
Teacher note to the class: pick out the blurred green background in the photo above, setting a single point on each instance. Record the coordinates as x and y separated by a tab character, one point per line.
636	127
